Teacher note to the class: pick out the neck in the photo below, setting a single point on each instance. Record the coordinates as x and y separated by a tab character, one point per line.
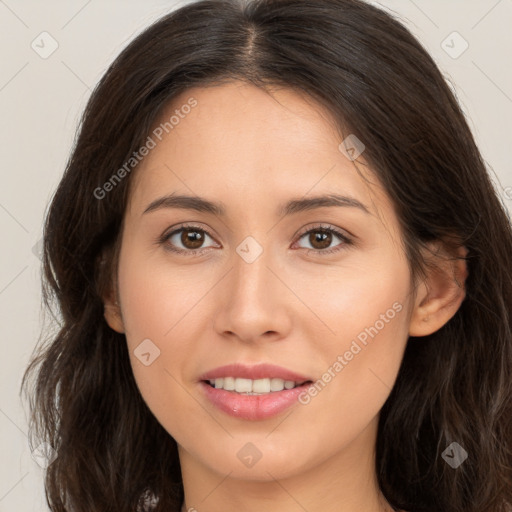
384	506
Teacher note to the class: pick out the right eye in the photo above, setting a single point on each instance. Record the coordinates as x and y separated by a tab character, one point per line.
191	238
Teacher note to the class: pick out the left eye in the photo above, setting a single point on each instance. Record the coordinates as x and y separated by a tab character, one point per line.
192	238
322	237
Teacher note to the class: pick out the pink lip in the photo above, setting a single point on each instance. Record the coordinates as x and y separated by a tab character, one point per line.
259	371
252	407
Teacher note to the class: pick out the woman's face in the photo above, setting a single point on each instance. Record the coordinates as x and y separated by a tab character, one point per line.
252	286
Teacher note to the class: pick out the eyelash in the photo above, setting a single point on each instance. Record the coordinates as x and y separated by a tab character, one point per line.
162	240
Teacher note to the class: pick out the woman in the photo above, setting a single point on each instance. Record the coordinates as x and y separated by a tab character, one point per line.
208	360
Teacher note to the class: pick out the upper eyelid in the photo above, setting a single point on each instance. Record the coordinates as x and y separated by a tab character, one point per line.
187	226
339	232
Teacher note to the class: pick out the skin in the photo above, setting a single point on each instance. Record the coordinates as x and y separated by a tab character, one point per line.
252	152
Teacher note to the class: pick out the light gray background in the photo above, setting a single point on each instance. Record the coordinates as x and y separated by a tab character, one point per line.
41	100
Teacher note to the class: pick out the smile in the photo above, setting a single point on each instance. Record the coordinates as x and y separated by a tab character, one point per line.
253	386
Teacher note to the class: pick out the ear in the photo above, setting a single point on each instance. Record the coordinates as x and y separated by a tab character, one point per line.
107	289
440	295
112	313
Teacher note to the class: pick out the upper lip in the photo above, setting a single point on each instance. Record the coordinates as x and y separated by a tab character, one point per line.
259	371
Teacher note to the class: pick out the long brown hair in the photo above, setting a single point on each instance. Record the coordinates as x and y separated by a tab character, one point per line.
380	84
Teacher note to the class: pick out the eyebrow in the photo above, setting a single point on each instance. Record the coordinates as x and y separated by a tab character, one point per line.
200	204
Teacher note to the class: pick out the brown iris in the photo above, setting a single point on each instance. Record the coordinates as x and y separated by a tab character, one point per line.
319	235
192	238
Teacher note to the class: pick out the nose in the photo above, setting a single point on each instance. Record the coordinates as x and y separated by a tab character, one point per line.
255	302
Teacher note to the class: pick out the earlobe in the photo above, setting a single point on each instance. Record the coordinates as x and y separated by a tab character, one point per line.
109	292
112	314
441	294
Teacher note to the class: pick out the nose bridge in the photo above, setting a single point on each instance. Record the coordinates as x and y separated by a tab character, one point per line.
255	299
251	277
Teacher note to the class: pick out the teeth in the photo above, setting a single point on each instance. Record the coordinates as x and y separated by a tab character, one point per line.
229	384
260	386
243	385
277	384
253	387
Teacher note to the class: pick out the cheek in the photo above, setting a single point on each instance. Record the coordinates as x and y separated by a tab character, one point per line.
158	299
365	309
364	302
161	306
154	318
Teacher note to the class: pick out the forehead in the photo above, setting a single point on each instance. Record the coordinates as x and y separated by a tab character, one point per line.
240	143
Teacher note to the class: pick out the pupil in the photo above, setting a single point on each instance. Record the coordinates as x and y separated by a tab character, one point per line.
321	236
191	238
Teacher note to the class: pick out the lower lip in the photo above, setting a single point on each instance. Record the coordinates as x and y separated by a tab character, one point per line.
253	407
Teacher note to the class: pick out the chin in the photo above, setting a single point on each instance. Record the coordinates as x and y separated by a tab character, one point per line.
258	461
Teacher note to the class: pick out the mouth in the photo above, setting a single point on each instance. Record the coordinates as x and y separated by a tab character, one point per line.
247	404
243	386
253	392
